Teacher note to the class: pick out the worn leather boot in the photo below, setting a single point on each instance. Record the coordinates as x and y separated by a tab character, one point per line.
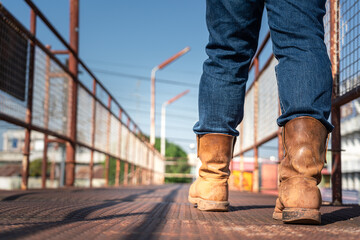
305	142
210	191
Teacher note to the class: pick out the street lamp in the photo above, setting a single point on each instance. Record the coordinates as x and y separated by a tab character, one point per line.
163	114
152	107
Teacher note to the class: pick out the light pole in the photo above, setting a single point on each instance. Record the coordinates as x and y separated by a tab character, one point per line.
152	107
163	114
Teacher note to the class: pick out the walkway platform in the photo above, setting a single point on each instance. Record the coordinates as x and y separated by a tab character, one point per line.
156	212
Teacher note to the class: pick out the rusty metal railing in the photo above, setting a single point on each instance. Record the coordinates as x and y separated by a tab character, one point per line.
58	103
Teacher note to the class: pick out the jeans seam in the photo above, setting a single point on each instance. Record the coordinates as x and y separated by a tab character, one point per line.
281	104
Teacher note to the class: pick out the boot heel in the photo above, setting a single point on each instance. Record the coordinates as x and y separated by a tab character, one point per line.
214	206
277	216
193	200
301	216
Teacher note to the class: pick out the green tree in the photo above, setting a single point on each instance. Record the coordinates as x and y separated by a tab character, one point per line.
175	153
35	168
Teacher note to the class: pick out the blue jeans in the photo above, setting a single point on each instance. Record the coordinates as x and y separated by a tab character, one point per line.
303	72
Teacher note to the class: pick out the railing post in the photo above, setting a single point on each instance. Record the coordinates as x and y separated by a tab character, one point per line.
126	170
46	119
335	110
152	166
73	90
135	174
256	184
132	173
126	167
118	161
280	144
93	130
26	151
107	160
147	173
241	167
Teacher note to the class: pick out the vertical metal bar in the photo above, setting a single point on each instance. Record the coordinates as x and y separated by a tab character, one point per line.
93	130
44	162
126	167
147	165
26	152
126	170
135	178
280	145
241	139
336	157
73	67
53	166
132	173
143	181
256	184
139	171
46	120
152	175
118	161
280	153
335	110
107	160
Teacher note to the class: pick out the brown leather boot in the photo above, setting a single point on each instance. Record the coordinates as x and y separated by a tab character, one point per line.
299	200
210	191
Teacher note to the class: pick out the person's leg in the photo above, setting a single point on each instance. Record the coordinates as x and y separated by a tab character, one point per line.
305	87
233	36
304	69
233	28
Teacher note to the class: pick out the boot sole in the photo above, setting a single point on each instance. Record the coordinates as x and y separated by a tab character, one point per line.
207	205
277	216
301	216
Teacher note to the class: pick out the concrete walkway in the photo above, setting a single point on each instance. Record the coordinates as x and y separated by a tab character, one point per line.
156	212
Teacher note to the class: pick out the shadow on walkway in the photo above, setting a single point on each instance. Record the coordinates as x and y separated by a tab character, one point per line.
150	225
74	216
343	214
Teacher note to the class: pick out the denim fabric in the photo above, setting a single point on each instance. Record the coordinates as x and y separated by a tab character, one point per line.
303	73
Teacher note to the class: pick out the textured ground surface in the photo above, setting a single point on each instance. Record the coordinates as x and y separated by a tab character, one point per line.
156	212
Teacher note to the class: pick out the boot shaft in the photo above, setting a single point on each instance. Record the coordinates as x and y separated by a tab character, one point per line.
305	142
215	152
210	191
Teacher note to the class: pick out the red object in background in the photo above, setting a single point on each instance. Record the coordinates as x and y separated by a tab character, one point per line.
269	176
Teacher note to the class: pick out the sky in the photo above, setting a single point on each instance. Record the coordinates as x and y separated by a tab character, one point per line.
122	40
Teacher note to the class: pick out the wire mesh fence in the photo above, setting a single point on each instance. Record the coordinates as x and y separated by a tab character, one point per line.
14	54
349	37
43	89
268	103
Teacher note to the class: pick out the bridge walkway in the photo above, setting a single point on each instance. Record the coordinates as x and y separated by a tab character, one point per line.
156	212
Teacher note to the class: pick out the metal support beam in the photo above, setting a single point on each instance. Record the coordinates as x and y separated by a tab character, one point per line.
26	152
93	130
335	110
256	184
72	98
46	118
107	159
118	161
126	171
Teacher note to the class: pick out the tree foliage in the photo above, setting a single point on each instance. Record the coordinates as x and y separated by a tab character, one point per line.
172	151
35	168
179	155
